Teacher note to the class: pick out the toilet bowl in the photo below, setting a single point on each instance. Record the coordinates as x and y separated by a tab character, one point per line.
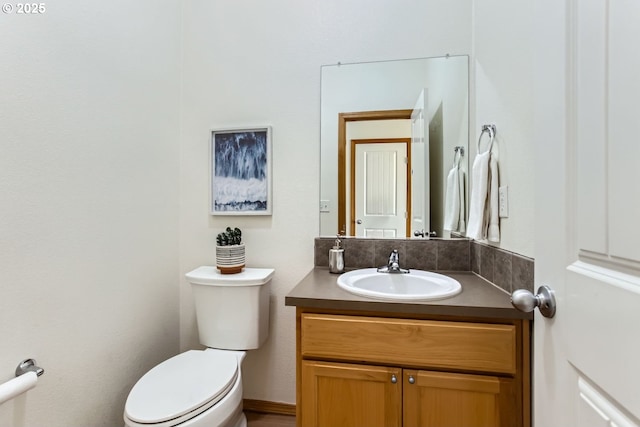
201	388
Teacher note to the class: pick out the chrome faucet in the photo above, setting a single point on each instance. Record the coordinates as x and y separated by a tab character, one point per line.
393	265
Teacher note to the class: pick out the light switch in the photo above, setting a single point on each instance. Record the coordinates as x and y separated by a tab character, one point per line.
503	202
324	206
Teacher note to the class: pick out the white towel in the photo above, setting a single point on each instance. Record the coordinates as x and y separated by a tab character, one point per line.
493	233
477	202
454	207
462	218
452	200
484	223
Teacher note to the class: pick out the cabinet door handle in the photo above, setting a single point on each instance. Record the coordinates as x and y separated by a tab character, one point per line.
394	379
411	379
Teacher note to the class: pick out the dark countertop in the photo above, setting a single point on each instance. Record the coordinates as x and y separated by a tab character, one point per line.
478	298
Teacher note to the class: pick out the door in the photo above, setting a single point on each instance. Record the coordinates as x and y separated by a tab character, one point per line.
343	394
380	187
420	185
587	247
442	399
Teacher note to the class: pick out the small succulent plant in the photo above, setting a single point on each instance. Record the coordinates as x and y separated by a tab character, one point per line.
229	237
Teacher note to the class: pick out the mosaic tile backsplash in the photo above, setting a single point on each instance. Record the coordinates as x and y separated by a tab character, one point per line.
505	269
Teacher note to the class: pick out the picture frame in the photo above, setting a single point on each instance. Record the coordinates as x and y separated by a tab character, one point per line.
240	165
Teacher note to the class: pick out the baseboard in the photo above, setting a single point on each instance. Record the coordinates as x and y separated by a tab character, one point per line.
269	407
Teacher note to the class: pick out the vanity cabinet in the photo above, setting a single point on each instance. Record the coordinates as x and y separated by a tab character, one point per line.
371	370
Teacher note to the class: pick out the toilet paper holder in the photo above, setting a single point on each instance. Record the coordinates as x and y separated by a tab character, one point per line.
28	365
27	374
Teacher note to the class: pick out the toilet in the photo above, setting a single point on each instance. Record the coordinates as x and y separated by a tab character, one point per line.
200	388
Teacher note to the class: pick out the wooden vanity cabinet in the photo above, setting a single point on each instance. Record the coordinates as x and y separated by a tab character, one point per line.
357	370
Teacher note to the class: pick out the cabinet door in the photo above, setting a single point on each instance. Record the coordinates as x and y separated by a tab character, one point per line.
439	399
348	395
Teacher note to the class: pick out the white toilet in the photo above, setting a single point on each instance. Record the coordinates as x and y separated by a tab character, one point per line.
204	387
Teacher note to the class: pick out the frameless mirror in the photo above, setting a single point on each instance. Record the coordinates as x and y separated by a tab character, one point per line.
394	144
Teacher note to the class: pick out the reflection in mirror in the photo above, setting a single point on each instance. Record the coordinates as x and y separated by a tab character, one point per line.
389	132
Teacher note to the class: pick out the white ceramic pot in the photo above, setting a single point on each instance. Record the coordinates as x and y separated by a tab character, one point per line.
230	259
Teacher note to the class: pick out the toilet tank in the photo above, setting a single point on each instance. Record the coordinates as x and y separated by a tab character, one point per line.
232	310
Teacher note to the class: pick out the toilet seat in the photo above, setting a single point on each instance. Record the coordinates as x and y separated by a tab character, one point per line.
182	387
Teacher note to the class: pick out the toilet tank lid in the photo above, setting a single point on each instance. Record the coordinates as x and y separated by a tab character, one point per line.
208	275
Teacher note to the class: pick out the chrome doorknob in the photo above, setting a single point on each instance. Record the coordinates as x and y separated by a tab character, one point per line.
524	300
358	221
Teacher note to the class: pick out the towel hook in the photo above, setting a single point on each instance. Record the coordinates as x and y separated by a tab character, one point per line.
491	130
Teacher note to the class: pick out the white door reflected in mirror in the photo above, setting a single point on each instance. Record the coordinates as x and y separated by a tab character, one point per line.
380	188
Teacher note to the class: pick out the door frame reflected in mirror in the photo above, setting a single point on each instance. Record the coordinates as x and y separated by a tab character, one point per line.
343	120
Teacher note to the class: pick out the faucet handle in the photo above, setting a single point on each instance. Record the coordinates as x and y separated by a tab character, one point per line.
394	260
393	266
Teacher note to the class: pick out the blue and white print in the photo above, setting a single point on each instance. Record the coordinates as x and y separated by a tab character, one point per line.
240	178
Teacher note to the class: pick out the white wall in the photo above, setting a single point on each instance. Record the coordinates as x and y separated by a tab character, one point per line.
88	208
256	63
503	81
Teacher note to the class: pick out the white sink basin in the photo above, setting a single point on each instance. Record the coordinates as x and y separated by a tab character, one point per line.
415	285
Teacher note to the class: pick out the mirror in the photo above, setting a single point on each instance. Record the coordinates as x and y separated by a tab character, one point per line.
391	133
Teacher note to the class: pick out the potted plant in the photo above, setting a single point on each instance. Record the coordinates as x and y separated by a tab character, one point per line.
230	257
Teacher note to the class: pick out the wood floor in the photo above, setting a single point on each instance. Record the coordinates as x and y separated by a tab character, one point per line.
257	419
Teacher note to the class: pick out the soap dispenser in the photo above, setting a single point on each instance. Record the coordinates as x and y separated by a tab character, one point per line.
336	257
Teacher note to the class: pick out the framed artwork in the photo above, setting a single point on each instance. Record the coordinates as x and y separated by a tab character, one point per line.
241	171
